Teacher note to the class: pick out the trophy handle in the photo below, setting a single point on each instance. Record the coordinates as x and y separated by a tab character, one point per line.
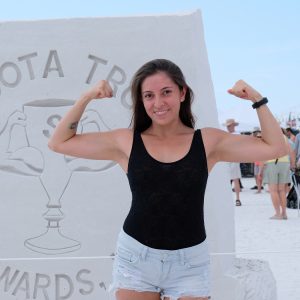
16	118
92	116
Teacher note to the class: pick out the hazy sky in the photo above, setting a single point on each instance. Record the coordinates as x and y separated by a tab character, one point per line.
256	40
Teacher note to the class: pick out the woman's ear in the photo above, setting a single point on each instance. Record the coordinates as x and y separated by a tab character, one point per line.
182	94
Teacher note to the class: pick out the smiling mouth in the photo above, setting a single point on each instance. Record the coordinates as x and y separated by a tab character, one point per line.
161	112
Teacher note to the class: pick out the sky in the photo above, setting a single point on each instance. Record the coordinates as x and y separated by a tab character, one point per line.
256	40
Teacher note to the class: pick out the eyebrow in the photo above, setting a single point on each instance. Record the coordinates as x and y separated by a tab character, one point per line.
167	87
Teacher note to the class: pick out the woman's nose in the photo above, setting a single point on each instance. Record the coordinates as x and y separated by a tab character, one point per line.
158	101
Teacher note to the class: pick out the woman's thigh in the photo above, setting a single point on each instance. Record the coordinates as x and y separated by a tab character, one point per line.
124	294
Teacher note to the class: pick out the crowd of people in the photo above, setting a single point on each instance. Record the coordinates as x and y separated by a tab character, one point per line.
274	175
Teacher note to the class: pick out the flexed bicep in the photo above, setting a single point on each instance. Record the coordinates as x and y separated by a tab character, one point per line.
242	148
109	145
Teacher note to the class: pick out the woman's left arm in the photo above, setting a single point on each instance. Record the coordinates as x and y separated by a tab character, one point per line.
242	148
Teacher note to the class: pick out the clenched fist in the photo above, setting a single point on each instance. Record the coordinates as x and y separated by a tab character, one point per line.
243	90
101	90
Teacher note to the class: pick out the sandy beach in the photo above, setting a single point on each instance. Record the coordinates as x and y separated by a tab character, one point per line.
275	241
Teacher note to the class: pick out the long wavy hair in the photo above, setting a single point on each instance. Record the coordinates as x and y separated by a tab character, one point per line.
140	120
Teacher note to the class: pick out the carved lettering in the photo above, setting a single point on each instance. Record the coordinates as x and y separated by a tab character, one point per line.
53	56
43	286
111	78
96	60
52	121
62	286
58	283
23	279
27	58
15	69
8	282
126	99
11	75
86	282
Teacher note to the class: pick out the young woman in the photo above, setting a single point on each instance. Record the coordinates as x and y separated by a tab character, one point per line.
162	249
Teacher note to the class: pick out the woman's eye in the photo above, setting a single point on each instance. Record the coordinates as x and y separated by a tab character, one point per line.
167	92
147	96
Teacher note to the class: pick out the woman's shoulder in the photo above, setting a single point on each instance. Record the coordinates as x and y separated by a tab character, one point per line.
211	136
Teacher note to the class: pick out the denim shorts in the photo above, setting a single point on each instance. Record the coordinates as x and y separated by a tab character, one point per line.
171	273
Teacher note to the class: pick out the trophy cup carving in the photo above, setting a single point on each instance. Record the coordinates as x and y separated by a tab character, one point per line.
53	170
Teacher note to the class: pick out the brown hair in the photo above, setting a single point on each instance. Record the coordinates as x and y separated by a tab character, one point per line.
140	120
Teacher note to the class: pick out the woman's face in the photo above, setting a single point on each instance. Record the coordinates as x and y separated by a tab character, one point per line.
162	98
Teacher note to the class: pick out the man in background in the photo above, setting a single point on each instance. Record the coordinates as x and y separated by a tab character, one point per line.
235	170
297	149
258	165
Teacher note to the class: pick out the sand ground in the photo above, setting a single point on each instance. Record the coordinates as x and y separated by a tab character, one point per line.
275	241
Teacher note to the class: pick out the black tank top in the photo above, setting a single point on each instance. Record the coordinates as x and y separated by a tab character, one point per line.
167	198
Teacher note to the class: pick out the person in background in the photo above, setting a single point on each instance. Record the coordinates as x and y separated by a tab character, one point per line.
258	165
297	149
277	176
291	134
235	170
290	137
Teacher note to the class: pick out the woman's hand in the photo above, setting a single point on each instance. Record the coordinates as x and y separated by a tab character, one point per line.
101	90
243	90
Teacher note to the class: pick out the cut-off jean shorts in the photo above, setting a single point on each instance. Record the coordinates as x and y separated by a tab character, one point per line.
171	273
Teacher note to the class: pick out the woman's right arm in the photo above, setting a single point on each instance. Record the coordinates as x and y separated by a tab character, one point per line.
96	145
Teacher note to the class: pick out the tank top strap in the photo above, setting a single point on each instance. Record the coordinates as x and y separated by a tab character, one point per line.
137	141
137	149
198	145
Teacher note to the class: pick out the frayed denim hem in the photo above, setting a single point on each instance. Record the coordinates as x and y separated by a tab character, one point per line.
113	288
